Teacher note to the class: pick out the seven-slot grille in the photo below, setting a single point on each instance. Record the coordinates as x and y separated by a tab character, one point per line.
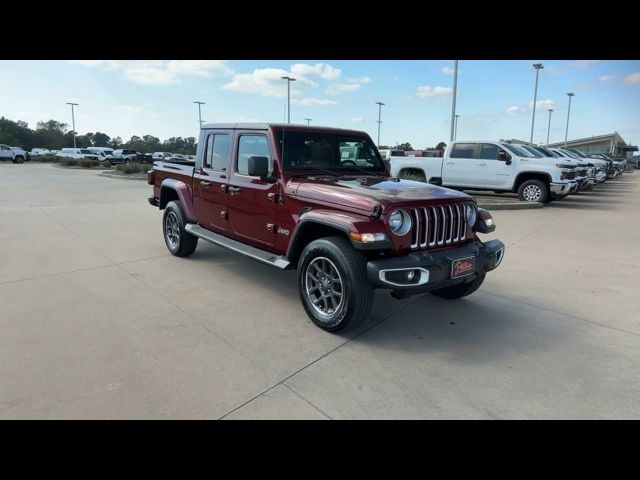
437	226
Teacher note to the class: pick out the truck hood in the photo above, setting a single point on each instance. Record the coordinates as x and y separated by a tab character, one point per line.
366	192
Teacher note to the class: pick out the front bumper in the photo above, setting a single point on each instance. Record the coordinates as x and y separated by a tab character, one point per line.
433	269
562	189
601	177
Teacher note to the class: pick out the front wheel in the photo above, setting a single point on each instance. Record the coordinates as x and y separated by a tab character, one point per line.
333	284
18	159
533	191
179	242
461	290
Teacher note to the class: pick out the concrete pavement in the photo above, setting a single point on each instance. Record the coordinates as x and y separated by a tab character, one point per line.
98	320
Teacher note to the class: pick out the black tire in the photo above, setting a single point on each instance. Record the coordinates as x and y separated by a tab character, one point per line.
356	293
533	190
416	175
461	290
18	159
180	243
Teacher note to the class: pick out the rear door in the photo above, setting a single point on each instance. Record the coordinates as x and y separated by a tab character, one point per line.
5	152
252	202
459	169
211	179
491	172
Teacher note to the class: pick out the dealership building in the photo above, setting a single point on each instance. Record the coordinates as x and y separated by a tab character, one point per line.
612	144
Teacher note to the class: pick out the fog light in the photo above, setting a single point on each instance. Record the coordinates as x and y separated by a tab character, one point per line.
410	275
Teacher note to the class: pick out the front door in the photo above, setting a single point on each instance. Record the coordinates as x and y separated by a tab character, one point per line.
210	181
5	152
491	172
252	202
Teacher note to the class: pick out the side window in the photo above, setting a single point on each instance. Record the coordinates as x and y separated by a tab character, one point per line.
489	152
217	152
463	150
252	146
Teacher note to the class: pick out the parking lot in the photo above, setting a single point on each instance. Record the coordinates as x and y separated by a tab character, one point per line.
98	320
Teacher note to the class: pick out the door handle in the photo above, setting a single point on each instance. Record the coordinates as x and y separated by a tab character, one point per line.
482	164
450	163
205	183
234	190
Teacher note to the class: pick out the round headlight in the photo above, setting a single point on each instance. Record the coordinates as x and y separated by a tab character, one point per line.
399	222
470	214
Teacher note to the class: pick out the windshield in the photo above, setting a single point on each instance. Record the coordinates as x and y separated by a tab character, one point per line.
579	153
545	152
521	152
532	150
305	150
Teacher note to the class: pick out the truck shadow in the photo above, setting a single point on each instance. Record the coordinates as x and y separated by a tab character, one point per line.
469	330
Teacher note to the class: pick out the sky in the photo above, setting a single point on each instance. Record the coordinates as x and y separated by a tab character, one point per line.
494	100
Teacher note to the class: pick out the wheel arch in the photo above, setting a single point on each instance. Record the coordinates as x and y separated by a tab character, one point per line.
524	176
172	189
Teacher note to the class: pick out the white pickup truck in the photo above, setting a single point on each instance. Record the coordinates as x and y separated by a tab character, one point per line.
15	154
495	166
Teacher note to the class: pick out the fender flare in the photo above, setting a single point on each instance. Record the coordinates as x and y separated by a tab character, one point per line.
184	196
344	222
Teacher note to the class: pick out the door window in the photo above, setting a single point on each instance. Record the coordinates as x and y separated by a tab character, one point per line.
463	150
489	152
252	146
217	155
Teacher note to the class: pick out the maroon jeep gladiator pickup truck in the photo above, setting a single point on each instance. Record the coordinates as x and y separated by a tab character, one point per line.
321	200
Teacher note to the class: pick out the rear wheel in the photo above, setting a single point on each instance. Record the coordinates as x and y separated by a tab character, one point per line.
461	290
333	284
533	191
18	159
179	242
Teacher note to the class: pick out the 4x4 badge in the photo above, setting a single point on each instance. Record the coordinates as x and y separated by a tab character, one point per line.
283	231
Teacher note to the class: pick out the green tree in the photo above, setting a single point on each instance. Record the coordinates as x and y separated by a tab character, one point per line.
441	146
405	146
50	134
100	139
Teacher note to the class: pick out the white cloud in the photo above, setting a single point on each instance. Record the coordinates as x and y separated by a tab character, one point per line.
544	104
632	79
608	78
429	91
262	81
159	72
515	110
447	70
322	70
583	85
313	102
582	63
357	120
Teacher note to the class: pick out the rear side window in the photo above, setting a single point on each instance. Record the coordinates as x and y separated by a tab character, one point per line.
463	150
217	152
489	152
252	146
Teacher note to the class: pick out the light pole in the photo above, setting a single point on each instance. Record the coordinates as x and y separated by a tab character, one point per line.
549	127
308	120
566	132
289	80
200	112
538	67
73	121
453	104
380	104
455	130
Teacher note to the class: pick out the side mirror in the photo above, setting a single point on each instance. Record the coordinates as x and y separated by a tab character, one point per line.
504	157
258	167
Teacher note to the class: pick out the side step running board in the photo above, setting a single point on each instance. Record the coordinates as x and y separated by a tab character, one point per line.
246	250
